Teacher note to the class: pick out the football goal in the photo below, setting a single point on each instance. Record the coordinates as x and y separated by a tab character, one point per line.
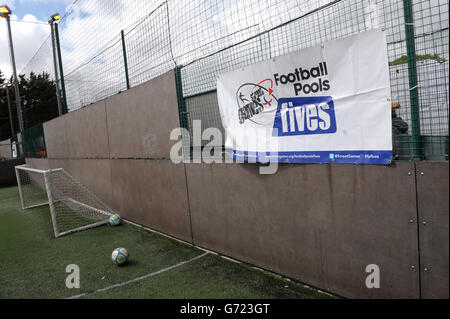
73	207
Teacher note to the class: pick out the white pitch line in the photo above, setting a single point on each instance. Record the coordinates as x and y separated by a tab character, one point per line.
138	279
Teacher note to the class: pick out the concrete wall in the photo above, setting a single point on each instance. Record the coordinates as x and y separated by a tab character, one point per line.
319	224
5	149
119	148
140	120
433	211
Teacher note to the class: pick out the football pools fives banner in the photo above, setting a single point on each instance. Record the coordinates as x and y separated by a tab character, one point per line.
326	104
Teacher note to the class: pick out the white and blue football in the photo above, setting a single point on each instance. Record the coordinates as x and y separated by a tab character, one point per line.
120	256
115	220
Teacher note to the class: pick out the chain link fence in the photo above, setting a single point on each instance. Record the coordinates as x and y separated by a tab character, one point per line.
30	144
109	46
10	157
11	148
34	142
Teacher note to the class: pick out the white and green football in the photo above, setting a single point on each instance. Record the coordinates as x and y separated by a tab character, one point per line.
115	220
119	256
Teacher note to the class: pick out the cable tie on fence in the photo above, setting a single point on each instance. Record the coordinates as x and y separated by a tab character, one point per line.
416	87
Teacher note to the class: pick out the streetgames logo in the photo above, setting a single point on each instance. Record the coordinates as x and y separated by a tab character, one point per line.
257	102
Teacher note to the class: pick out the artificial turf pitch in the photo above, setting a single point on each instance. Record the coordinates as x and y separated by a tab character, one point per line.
33	264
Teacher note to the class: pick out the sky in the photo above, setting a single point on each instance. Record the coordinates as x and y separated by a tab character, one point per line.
219	16
27	36
92	54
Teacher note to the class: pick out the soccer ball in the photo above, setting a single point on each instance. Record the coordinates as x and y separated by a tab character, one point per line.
115	220
119	256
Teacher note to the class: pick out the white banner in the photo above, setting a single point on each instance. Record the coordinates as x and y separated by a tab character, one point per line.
326	104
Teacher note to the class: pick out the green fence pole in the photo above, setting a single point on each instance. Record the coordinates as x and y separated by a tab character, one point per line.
182	110
413	79
61	71
125	61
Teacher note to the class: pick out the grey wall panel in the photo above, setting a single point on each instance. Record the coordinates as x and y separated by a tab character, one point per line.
5	149
59	163
93	174
42	164
152	193
433	207
56	138
319	224
141	119
87	133
374	222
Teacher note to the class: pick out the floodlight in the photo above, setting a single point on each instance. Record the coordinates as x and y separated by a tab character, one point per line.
55	17
4	11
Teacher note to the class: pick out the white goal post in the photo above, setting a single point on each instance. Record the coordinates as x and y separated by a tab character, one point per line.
73	207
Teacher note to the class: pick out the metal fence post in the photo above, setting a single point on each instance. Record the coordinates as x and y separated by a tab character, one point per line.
182	110
125	61
413	78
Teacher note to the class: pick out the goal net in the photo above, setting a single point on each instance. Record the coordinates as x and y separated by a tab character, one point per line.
73	207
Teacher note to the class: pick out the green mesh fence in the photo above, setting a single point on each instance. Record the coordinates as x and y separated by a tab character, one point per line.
203	38
34	142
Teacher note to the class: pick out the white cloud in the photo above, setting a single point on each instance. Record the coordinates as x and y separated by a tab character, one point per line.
27	38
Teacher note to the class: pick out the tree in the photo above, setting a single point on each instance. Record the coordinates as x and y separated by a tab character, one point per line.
5	127
39	103
39	99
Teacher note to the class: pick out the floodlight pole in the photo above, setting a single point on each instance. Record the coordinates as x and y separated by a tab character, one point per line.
9	110
16	81
55	64
61	70
124	50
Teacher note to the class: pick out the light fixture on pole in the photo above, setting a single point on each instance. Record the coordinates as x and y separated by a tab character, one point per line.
54	18
5	12
61	70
